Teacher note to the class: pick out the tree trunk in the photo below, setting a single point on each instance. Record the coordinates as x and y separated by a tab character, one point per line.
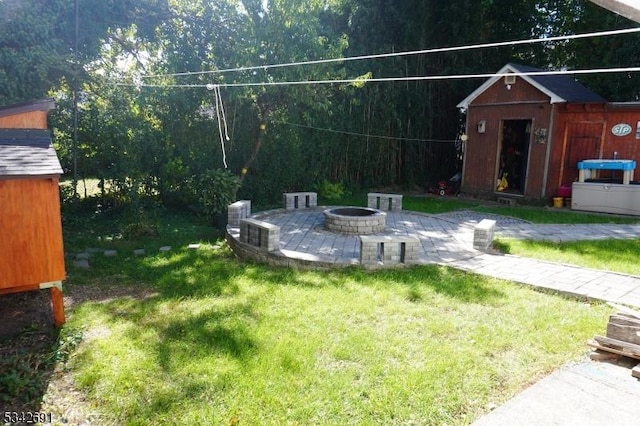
262	128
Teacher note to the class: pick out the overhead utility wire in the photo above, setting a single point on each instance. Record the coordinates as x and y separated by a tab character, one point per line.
392	79
406	53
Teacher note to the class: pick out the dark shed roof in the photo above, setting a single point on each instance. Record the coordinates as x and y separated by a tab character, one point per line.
27	153
564	86
40	105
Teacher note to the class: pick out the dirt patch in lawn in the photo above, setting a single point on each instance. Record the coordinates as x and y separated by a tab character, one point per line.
20	312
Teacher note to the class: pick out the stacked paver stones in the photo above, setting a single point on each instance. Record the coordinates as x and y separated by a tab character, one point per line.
388	249
299	200
483	234
381	201
260	234
238	211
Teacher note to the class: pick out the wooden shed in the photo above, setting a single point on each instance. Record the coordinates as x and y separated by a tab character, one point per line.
31	248
526	133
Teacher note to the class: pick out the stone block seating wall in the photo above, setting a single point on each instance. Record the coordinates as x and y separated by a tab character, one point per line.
263	235
299	200
238	211
380	201
483	234
386	249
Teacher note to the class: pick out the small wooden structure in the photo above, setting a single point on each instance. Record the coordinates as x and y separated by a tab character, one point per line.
31	248
527	132
622	339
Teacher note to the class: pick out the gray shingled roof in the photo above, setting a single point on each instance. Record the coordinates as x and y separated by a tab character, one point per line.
27	153
563	86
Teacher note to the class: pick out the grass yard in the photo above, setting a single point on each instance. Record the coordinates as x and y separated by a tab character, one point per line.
610	255
195	337
436	204
532	214
219	342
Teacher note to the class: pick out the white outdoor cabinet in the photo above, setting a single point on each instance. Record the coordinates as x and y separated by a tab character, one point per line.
606	197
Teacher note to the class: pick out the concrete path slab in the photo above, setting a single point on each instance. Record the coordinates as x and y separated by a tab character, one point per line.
587	393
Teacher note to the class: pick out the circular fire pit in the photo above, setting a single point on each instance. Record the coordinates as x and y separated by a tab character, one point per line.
355	220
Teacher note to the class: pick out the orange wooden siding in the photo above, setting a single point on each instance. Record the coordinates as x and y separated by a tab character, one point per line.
31	247
25	120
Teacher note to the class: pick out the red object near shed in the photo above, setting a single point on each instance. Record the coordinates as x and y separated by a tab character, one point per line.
31	246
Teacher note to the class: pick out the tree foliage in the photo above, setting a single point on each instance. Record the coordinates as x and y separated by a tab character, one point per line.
156	137
39	47
601	52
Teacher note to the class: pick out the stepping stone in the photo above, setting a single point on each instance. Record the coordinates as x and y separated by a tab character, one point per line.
92	250
165	248
217	246
110	253
193	246
81	263
139	252
81	256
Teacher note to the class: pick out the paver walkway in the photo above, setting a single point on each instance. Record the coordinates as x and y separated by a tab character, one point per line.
573	280
585	393
448	239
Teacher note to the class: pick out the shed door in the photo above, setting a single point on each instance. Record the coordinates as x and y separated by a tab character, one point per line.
583	143
513	156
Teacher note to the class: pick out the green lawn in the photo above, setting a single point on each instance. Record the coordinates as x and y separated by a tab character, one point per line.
610	255
220	341
198	337
532	214
434	204
201	338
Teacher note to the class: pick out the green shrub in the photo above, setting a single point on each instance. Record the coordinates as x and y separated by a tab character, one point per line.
214	190
331	191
